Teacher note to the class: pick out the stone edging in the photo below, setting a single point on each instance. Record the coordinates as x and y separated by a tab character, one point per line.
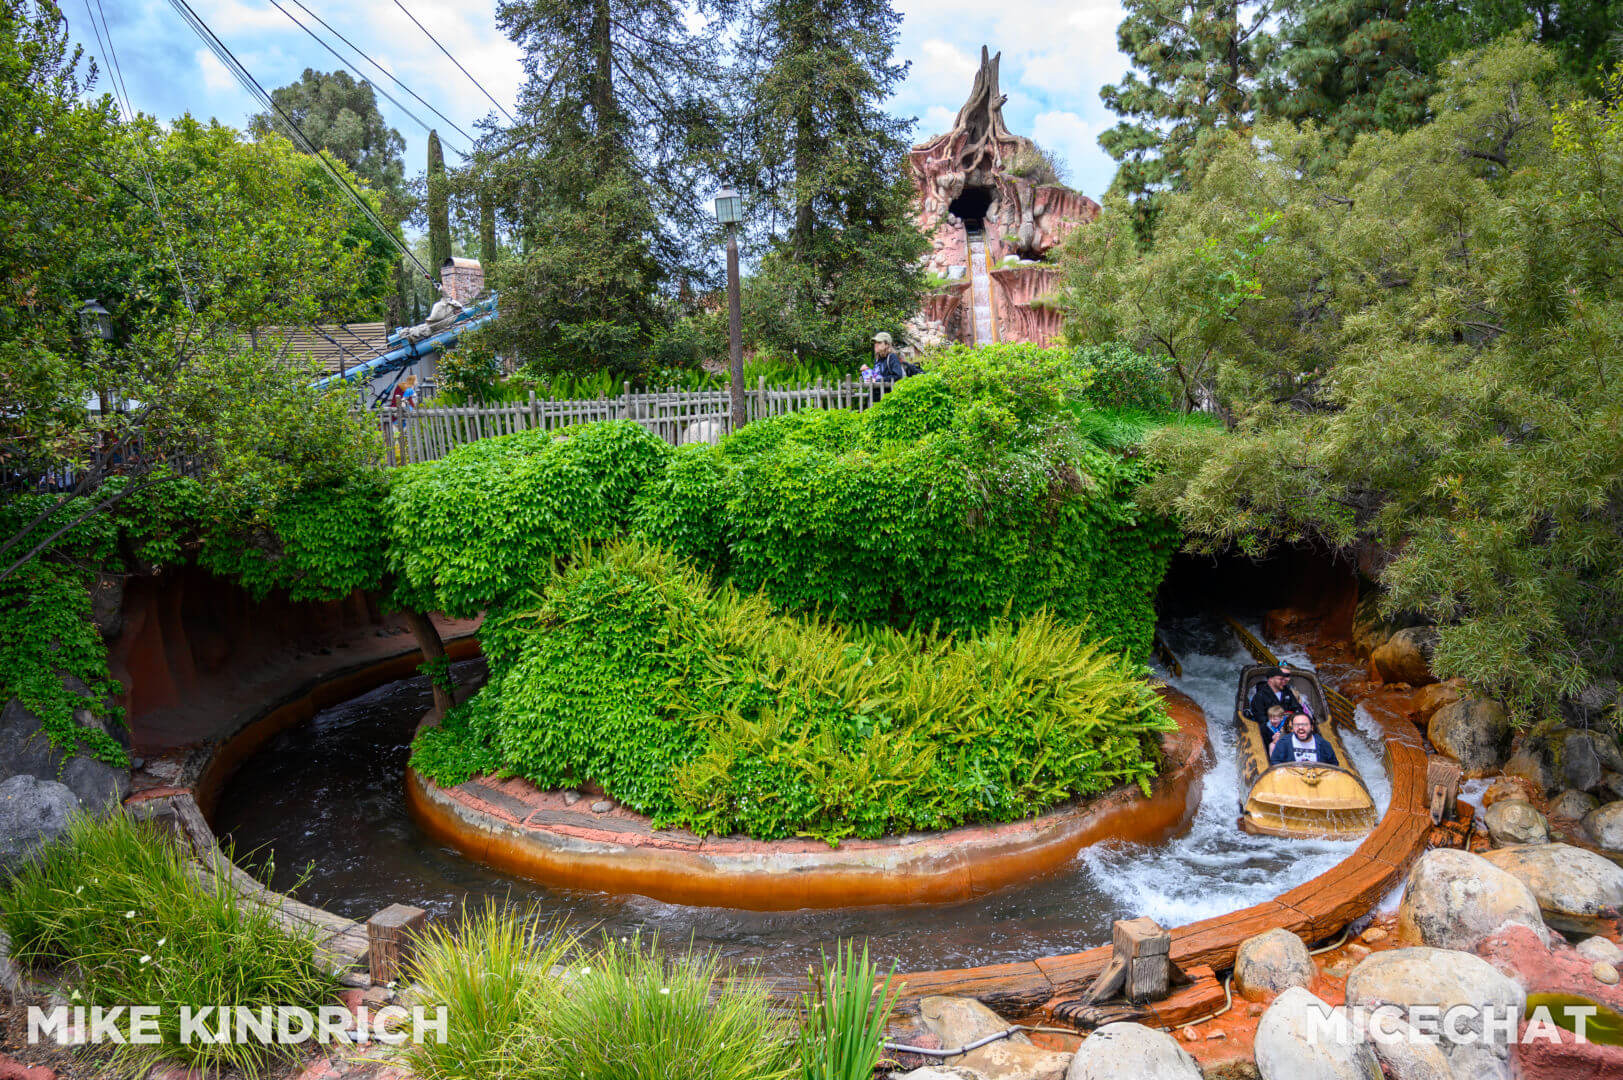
520	830
1316	910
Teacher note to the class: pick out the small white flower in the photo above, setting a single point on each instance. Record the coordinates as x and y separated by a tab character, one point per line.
79	890
664	990
162	940
585	971
75	996
129	914
146	958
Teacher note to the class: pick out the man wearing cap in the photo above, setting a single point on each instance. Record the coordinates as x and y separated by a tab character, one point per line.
1275	690
887	362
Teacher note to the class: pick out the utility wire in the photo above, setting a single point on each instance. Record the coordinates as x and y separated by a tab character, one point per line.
389	73
351	64
249	83
453	60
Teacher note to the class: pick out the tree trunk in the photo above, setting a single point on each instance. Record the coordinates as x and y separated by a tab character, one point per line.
433	650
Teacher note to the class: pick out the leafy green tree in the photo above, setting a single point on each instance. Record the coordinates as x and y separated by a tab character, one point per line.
826	176
1197	67
1350	66
1417	349
341	116
1582	34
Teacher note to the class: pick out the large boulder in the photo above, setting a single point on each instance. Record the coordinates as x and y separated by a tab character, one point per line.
1443	979
1453	899
1406	657
1406	1054
1119	1051
1271	962
32	812
25	751
1577	890
1296	1040
1515	821
1428	699
1559	757
1474	732
958	1021
1529	764
1604	825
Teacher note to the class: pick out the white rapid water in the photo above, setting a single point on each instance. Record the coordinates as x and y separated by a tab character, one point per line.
980	288
1215	868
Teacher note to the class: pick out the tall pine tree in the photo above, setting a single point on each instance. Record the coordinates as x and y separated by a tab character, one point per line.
824	170
1197	65
607	169
1350	66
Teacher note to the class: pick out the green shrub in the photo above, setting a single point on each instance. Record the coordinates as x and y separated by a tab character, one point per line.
122	910
1124	378
707	709
527	1001
914	407
487	521
844	1018
1013	394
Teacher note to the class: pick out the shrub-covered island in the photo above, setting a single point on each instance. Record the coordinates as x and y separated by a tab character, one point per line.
834	624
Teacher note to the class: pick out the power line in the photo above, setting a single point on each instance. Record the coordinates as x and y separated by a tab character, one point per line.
249	83
350	64
389	73
453	60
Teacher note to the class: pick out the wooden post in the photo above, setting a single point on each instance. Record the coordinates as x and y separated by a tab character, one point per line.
389	936
1146	949
1442	787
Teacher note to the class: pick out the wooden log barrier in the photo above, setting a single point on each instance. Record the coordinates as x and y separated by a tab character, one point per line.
389	933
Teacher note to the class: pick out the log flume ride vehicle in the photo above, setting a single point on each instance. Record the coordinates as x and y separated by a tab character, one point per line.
1297	799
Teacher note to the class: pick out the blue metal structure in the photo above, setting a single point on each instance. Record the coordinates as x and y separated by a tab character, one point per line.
402	353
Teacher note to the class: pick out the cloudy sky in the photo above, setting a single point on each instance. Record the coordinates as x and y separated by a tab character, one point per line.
1056	54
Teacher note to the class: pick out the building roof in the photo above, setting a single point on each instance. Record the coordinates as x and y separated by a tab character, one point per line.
339	346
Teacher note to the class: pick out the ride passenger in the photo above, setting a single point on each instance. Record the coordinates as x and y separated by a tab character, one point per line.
1303	745
1275	690
1275	725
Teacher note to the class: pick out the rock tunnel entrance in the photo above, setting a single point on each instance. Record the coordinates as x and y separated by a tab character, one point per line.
971	206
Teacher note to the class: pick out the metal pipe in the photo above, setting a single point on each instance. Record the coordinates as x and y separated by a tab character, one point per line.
926	1051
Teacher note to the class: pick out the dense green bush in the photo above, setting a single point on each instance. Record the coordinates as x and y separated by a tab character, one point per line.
1124	378
965	494
705	708
487	521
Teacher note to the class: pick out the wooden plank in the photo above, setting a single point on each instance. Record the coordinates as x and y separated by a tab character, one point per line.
1213	942
1202	997
1015	987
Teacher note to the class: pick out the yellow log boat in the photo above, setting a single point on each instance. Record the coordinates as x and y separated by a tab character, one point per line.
1324	801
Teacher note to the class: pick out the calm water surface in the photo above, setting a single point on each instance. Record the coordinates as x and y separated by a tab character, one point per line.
324	803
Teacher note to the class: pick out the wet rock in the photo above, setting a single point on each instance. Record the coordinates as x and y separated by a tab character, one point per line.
1577	889
1475	732
959	1021
1406	657
1443	979
107	604
1605	973
25	750
1600	950
1271	962
1508	787
1372	935
1292	1043
1604	826
1453	899
1428	699
32	812
1119	1051
1514	821
1571	805
1592	704
1581	766
1530	765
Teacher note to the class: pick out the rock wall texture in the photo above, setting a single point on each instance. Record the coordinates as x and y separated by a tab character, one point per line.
982	167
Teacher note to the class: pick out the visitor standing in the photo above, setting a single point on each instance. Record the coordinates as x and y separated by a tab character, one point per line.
887	362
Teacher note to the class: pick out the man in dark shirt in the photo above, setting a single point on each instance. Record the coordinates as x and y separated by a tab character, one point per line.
1276	690
1302	745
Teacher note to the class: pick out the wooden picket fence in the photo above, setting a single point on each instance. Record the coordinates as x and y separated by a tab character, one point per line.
677	416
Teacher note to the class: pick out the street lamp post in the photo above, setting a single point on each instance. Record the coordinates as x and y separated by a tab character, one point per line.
729	212
96	326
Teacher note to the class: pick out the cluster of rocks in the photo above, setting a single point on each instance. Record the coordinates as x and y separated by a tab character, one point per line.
1472	930
42	786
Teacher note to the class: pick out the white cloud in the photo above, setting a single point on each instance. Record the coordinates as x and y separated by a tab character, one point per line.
216	78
